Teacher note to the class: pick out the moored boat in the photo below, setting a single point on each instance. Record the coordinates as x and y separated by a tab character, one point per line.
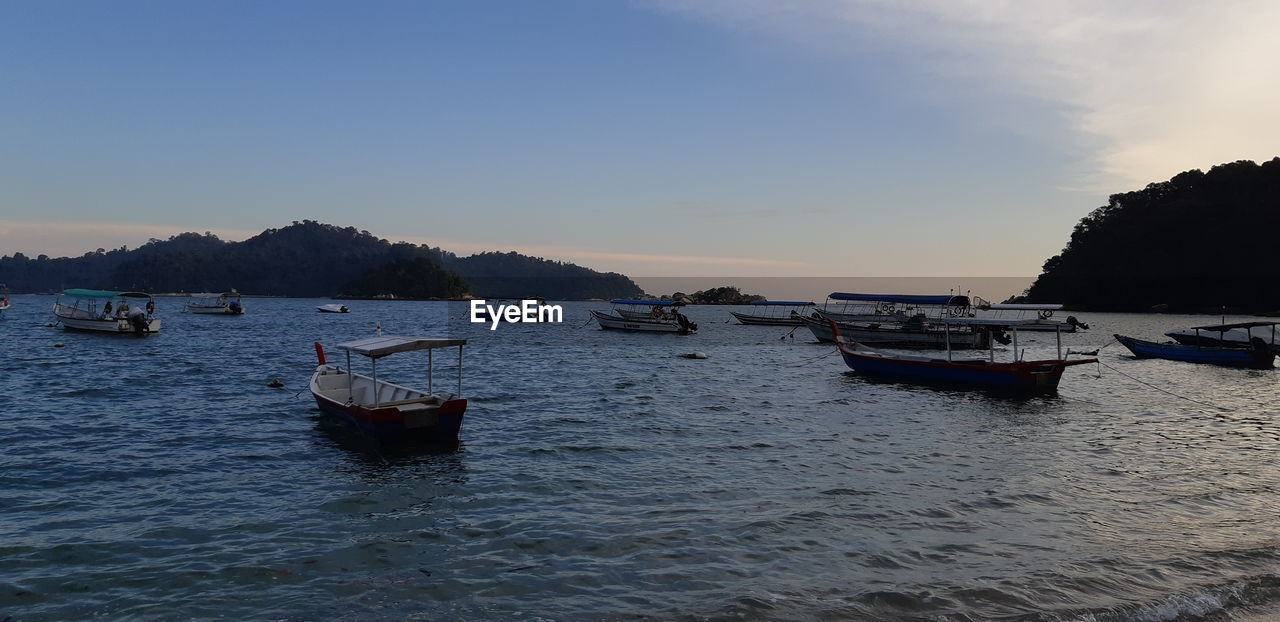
768	314
664	310
678	324
1256	356
1043	320
383	410
914	332
1238	334
107	311
4	300
972	373
333	308
228	303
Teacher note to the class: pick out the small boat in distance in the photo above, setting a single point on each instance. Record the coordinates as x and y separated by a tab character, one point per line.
1204	348
332	308
385	411
94	310
974	373
4	299
228	303
769	317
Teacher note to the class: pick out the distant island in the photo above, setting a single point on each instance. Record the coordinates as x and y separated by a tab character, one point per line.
1200	242
312	259
715	296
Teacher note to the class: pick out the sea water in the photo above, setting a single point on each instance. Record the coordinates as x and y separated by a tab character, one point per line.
601	476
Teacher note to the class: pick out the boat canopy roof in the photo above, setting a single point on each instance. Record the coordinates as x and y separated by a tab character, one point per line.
782	303
1024	307
101	293
915	299
1226	327
652	303
378	347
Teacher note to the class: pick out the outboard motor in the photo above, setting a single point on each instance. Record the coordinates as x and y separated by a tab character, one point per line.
1001	337
138	320
684	323
1072	321
1263	356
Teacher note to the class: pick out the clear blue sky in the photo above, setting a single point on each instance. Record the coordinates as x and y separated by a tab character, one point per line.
664	137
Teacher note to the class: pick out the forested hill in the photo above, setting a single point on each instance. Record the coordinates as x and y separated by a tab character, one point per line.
307	259
1196	243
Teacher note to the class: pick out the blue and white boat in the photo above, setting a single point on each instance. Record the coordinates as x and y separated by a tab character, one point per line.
1257	353
773	313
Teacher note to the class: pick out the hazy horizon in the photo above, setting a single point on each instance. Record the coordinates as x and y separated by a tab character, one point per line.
661	137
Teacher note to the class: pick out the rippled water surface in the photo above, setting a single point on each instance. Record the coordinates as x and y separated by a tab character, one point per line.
602	477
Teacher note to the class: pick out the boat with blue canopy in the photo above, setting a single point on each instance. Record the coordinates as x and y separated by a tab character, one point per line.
898	320
106	311
772	313
1204	347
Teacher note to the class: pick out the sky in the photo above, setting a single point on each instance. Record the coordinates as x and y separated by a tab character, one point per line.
657	138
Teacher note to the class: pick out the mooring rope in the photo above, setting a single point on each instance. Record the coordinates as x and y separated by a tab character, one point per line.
812	359
1162	390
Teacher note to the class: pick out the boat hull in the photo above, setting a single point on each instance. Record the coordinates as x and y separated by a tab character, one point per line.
440	420
1254	358
932	339
1030	376
119	326
759	320
219	310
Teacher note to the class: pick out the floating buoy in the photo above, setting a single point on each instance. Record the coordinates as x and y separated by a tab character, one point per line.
58	345
275	383
694	355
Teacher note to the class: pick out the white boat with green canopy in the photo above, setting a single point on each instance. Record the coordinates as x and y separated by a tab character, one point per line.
106	311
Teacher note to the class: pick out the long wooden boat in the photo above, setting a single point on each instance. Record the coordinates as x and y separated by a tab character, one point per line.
103	311
1239	334
679	325
972	373
229	303
768	318
1257	356
919	334
385	411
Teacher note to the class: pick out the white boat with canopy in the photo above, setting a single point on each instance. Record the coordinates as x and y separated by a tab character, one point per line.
1042	319
900	320
107	311
228	303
